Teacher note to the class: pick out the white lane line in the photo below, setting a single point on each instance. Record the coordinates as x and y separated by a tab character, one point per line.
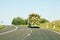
9	31
31	30
27	35
52	31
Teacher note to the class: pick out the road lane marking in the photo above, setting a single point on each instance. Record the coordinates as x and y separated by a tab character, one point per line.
51	30
31	30
54	31
28	34
9	31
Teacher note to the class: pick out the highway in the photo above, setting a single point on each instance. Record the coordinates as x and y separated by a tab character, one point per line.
25	33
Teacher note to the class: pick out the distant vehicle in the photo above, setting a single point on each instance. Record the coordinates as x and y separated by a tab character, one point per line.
33	26
33	21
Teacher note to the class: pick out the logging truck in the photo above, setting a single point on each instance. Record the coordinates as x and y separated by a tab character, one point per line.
33	21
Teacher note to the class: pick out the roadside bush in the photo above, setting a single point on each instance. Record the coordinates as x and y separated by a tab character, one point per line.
19	21
42	20
1	26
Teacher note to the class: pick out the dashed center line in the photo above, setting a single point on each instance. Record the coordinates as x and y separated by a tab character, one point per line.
28	34
31	31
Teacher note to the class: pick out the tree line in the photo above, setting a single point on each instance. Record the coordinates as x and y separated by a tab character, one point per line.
21	21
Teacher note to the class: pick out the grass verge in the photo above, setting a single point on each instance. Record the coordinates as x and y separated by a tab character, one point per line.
50	27
1	26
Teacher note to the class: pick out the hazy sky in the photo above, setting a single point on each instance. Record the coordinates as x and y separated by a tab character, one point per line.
48	9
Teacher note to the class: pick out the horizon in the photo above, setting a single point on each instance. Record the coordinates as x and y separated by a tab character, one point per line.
48	9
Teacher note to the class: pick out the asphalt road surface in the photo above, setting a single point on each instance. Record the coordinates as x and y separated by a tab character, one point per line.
25	33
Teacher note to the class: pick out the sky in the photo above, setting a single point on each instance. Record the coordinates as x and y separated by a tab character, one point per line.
9	9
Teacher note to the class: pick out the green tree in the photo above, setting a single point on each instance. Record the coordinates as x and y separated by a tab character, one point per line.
19	21
26	21
42	20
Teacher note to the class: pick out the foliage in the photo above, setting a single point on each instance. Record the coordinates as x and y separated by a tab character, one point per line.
26	21
1	26
42	20
33	19
57	23
57	26
19	21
